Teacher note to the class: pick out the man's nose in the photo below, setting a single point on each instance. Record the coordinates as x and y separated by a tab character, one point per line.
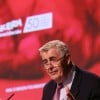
50	65
50	68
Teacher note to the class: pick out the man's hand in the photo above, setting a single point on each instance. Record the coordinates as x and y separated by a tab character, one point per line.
70	95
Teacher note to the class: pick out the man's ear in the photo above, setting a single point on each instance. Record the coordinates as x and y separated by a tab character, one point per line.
66	64
68	59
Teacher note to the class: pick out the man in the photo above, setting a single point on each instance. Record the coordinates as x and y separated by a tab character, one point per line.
76	84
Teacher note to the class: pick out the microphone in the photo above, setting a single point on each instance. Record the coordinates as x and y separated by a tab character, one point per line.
10	96
57	65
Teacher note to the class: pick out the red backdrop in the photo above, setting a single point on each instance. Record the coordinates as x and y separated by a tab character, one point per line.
75	22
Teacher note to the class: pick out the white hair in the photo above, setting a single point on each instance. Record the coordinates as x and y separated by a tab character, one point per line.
59	45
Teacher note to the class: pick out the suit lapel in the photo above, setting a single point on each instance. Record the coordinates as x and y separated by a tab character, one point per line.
51	90
76	83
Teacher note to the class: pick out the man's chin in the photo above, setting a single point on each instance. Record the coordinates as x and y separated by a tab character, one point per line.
55	79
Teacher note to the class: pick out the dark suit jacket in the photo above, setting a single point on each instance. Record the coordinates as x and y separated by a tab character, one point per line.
85	86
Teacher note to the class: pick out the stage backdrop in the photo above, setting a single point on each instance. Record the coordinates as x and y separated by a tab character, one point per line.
25	25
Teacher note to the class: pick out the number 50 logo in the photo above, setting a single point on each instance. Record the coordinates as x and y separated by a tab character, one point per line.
38	22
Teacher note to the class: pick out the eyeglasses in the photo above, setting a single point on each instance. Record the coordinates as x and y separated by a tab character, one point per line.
52	60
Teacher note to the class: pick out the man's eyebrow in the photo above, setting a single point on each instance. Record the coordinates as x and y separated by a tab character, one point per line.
49	58
44	59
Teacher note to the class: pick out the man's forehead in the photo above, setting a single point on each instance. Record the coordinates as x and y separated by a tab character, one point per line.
51	52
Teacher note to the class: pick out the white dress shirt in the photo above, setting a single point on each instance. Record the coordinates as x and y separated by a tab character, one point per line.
67	84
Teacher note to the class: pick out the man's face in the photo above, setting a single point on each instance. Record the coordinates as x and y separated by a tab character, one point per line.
52	65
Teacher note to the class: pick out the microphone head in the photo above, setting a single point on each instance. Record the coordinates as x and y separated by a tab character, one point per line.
56	65
10	96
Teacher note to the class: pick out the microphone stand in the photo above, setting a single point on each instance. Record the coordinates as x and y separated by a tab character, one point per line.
10	96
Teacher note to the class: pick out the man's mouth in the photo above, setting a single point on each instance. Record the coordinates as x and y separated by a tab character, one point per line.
53	72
